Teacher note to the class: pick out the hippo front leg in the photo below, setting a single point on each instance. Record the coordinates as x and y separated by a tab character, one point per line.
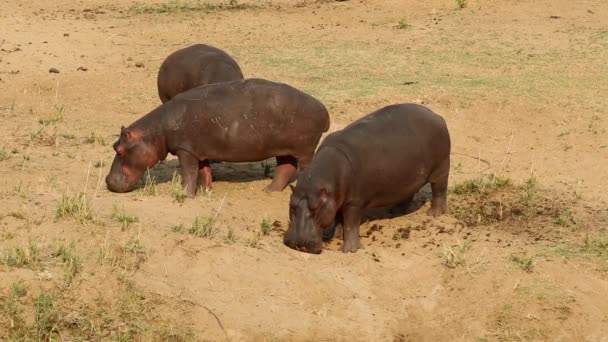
189	165
350	229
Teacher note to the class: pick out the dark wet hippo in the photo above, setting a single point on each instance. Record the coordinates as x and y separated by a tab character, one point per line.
239	121
382	159
194	66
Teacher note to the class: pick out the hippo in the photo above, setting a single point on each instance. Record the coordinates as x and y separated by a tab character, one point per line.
195	66
239	121
382	159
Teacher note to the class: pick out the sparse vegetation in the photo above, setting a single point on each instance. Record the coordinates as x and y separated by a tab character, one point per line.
72	263
203	227
126	256
186	6
461	3
47	318
177	189
119	215
77	207
150	188
99	164
265	226
11	310
95	140
482	185
254	241
456	255
402	25
595	247
21	256
53	119
523	262
4	155
230	236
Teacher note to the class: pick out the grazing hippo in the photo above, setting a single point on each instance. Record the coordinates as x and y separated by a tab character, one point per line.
239	121
382	159
194	66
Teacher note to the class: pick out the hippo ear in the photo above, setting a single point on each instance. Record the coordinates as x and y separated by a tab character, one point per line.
293	188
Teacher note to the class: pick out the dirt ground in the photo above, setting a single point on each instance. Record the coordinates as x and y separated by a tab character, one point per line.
522	256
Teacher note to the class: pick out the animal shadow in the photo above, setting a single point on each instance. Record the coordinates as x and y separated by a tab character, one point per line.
222	171
401	209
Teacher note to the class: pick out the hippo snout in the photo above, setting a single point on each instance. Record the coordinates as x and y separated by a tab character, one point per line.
118	183
303	242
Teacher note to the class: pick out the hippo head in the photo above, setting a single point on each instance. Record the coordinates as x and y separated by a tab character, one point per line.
311	211
135	153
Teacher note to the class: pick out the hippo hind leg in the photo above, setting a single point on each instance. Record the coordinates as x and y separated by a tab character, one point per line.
204	171
439	187
286	169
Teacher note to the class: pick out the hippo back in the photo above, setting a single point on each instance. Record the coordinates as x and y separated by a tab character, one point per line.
194	66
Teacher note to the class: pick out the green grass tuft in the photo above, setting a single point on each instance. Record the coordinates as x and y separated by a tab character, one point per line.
265	226
526	264
119	215
77	207
71	262
481	185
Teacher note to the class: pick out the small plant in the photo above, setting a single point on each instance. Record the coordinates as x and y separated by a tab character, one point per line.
203	227
125	219
567	147
595	247
526	264
68	136
253	242
22	257
265	226
402	25
150	188
9	306
461	3
71	262
454	256
18	289
99	164
126	256
230	236
4	155
481	185
53	119
76	207
177	190
47	317
95	139
178	228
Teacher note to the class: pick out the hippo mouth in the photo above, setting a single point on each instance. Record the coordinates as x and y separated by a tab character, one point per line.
306	247
308	243
117	181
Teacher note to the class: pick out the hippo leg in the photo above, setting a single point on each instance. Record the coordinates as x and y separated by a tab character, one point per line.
189	166
335	230
439	187
350	229
204	170
286	169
